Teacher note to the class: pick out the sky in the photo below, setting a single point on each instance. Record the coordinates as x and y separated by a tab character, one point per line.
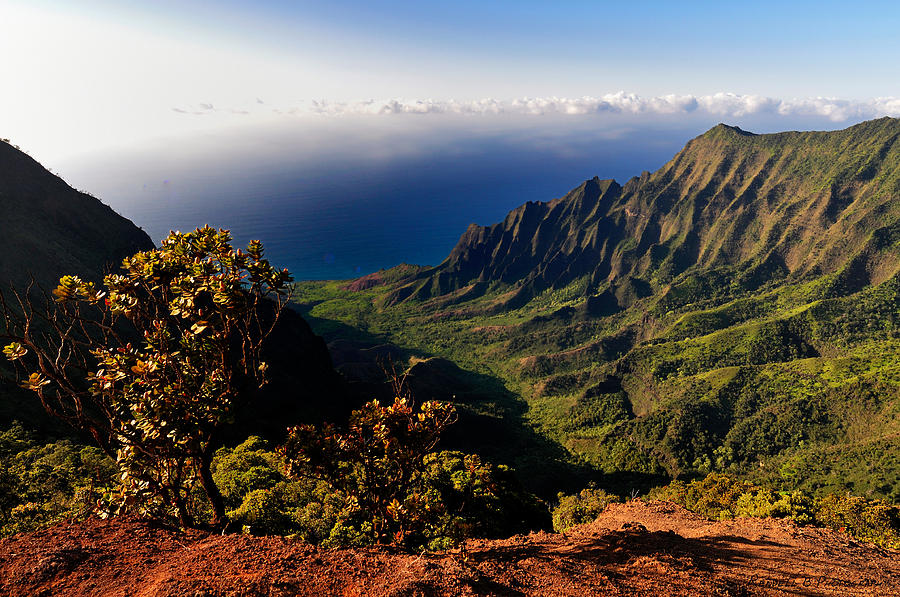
361	118
86	75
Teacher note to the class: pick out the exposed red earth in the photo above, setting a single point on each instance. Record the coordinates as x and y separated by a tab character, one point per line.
638	548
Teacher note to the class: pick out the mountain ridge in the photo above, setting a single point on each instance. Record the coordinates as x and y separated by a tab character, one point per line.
729	198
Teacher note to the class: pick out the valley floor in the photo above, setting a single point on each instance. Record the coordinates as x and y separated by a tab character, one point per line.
636	548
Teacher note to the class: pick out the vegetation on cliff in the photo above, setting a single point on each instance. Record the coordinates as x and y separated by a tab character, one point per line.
735	311
154	363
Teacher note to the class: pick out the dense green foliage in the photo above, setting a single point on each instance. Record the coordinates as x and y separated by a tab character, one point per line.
263	500
396	490
721	497
465	497
43	482
375	463
580	508
477	499
787	386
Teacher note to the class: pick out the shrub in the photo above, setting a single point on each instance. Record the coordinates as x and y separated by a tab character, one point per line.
715	496
263	511
375	464
41	483
720	497
762	503
581	508
869	520
467	496
248	467
477	499
383	483
264	501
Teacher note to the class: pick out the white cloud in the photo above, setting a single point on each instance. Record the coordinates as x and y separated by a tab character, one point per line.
722	105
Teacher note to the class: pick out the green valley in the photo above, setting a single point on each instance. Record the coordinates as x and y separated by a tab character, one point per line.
735	311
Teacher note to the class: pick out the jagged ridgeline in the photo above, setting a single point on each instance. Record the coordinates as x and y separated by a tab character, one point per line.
770	206
735	310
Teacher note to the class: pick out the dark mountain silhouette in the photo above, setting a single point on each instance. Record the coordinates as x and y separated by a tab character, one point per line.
48	229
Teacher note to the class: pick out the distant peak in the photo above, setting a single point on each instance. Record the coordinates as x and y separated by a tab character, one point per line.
884	121
602	184
726	128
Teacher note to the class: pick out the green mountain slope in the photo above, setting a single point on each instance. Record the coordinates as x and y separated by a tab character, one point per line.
736	310
784	205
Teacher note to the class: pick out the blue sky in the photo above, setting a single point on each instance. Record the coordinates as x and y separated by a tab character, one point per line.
576	48
552	48
95	74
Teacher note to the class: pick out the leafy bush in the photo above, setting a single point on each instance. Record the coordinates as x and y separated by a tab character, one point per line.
41	483
583	507
263	501
715	496
376	464
869	520
248	467
468	497
383	483
476	499
720	497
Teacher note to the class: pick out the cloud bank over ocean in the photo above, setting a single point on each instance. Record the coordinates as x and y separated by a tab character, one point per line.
406	176
725	105
325	181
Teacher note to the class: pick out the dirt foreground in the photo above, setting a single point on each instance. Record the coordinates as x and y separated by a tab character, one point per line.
638	548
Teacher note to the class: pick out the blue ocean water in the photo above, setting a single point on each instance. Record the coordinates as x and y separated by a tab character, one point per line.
346	214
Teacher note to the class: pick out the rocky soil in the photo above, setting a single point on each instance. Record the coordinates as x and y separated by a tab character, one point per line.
638	548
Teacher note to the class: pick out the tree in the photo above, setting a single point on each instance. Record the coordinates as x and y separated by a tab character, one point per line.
154	363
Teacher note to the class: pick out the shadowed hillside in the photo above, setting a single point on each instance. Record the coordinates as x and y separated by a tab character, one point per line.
48	229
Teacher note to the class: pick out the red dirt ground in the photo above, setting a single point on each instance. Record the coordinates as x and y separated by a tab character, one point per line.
638	548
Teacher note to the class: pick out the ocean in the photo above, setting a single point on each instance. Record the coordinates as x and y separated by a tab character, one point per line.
341	206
